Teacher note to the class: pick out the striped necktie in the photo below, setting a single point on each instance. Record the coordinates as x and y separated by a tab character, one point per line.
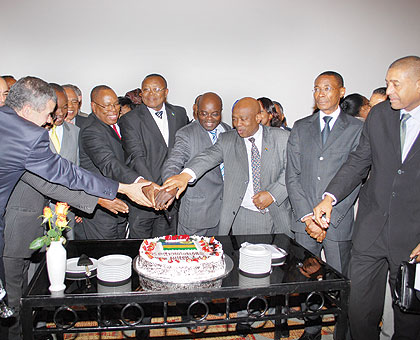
54	139
213	134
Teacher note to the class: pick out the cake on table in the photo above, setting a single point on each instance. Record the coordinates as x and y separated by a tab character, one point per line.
181	259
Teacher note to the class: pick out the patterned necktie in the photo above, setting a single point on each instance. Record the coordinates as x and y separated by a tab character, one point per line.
54	139
256	166
403	129
326	131
159	114
116	131
214	140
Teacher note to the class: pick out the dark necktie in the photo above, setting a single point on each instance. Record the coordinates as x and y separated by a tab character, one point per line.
326	131
403	129
256	166
159	114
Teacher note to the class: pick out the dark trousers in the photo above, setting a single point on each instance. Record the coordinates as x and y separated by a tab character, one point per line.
151	224
16	283
368	273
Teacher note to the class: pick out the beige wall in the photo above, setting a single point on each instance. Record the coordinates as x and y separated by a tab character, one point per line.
272	48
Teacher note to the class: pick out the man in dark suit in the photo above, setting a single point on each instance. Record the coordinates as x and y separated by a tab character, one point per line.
101	152
254	157
25	146
387	226
312	161
200	207
148	134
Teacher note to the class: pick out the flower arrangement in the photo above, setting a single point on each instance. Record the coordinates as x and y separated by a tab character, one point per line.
55	229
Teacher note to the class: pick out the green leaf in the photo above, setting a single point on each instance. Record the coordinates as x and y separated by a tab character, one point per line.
52	233
37	243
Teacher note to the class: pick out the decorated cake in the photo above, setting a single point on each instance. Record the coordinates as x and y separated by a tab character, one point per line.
181	258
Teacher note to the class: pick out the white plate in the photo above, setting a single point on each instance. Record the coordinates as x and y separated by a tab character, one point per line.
115	260
73	268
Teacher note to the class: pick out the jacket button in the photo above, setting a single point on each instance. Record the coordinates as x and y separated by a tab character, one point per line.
399	172
394	194
321	158
233	212
318	178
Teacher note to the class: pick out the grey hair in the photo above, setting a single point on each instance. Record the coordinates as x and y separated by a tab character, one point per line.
74	88
30	91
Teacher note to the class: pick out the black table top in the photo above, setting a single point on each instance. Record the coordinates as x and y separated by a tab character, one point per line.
301	272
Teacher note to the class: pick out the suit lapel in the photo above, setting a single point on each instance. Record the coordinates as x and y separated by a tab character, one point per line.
315	130
64	147
266	155
394	131
170	114
242	156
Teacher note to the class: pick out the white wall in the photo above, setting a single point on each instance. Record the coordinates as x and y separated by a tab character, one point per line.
272	48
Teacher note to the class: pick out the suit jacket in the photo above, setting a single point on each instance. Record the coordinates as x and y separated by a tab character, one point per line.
22	222
25	146
391	193
144	146
311	166
101	152
230	148
201	203
69	148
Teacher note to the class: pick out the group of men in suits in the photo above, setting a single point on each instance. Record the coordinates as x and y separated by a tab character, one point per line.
259	179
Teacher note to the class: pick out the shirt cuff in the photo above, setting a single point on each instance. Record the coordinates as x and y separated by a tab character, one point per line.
191	173
138	179
310	214
274	200
334	202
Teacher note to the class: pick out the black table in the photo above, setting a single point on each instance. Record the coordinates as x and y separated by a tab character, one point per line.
269	298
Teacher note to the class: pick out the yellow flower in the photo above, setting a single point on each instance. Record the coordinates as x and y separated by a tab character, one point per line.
61	221
47	213
61	208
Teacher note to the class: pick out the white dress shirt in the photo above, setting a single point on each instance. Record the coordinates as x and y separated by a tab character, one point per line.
412	130
333	115
162	123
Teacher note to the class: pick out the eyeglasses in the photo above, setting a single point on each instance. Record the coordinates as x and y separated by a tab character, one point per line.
325	89
205	114
109	107
155	90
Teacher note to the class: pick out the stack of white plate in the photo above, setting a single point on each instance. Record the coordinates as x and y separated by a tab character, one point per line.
255	260
114	268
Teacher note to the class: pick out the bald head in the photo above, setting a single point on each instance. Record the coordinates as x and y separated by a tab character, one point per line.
411	64
4	91
403	83
105	105
246	117
209	113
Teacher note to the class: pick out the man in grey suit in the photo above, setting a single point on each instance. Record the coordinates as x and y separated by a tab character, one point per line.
64	140
254	157
22	226
200	207
318	145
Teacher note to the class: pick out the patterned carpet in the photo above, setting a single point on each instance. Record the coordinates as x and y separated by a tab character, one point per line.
184	333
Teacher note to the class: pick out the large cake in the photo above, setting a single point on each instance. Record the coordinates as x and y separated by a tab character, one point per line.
181	259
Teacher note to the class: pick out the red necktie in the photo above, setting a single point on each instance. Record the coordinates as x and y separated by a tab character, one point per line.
116	131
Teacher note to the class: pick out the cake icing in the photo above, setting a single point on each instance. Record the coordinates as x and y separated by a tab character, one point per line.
181	258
